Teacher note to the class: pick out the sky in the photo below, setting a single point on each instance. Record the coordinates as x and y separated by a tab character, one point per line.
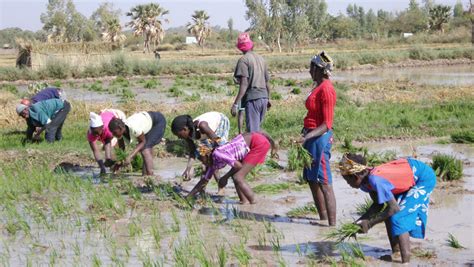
25	14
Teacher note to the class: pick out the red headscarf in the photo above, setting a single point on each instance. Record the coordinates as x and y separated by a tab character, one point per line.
244	43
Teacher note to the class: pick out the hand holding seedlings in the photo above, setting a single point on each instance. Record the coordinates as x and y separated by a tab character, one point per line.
364	226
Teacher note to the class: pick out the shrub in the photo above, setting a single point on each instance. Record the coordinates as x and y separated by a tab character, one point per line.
150	84
193	98
447	167
57	69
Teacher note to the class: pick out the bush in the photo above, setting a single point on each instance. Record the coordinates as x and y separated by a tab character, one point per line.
118	65
296	91
463	137
447	167
57	69
275	96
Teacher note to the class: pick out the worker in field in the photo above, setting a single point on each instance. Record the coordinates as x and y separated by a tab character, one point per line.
404	186
242	154
45	94
48	115
210	129
251	74
142	129
318	136
99	131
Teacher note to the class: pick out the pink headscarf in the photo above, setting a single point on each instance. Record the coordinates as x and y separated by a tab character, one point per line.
244	43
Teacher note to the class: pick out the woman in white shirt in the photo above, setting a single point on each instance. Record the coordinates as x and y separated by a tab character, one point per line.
146	129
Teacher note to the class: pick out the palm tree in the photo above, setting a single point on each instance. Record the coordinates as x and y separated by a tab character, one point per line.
146	21
200	27
113	31
439	15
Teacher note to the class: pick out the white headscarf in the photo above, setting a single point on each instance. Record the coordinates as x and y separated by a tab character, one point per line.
95	120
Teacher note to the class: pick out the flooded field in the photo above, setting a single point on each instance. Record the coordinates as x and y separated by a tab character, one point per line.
157	231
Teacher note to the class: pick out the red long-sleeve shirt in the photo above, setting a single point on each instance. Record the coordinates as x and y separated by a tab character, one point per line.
320	105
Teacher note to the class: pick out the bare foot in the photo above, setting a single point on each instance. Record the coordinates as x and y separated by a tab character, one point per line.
244	202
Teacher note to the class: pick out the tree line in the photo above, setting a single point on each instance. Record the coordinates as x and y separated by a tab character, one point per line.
277	23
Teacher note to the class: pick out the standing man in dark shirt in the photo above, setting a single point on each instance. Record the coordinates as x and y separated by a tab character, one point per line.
251	73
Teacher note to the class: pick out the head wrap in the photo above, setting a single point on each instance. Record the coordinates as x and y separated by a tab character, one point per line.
95	120
244	43
20	108
349	167
323	61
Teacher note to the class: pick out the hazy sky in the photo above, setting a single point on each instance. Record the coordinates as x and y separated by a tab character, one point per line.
26	13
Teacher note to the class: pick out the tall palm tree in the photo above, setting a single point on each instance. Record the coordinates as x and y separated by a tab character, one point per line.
146	21
439	15
200	26
113	31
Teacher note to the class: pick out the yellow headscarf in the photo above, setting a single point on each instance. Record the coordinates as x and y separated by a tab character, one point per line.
349	167
204	150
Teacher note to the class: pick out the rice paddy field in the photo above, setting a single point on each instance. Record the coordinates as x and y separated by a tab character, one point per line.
56	210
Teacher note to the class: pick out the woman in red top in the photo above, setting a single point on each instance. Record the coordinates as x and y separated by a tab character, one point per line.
317	137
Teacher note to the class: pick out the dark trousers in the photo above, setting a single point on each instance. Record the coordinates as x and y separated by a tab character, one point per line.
54	128
255	113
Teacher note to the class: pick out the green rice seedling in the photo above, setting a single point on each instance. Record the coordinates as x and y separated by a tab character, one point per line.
241	253
308	209
296	91
423	253
175	91
275	96
193	98
57	84
374	159
447	167
96	87
156	234
222	256
454	242
353	249
135	228
151	84
299	158
463	137
175	227
121	82
273	164
276	188
362	208
262	239
53	256
76	248
290	82
343	232
96	262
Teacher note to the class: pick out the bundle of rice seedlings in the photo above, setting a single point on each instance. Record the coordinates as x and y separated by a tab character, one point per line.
298	158
362	208
447	167
135	165
343	232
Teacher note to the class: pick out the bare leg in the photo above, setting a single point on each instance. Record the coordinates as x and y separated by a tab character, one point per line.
330	201
318	198
239	181
148	160
393	241
242	198
404	240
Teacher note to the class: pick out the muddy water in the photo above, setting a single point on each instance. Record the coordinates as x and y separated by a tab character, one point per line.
455	75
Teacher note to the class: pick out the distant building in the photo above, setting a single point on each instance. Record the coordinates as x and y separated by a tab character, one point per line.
6	46
191	40
407	34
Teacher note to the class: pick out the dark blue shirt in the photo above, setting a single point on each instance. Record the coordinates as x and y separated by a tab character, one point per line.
45	94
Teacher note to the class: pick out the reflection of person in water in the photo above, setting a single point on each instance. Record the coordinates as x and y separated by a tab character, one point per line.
404	186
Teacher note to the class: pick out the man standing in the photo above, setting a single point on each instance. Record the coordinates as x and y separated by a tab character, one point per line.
46	115
251	73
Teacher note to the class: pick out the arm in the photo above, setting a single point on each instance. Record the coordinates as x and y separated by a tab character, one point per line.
320	130
244	83
141	144
97	158
392	208
374	209
199	186
192	148
204	128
